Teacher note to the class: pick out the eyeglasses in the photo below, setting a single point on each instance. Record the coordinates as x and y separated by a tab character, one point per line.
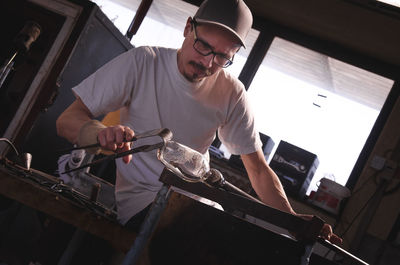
205	49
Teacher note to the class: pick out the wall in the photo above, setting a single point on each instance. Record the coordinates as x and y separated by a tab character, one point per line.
388	208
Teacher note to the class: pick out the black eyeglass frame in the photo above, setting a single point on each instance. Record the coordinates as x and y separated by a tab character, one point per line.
205	44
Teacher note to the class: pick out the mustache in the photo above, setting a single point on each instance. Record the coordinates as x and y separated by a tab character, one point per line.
200	67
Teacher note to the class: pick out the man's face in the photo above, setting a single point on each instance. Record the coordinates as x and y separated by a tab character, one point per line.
195	66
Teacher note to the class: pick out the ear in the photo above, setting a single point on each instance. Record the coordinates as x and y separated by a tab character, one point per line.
188	27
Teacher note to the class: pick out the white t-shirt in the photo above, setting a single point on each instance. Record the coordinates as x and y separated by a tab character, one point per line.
146	85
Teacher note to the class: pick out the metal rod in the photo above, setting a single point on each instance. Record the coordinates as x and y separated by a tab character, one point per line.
5	70
305	259
73	246
12	58
164	133
235	189
143	148
10	144
340	250
148	226
88	146
139	16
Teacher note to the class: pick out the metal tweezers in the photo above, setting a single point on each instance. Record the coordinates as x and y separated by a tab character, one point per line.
164	133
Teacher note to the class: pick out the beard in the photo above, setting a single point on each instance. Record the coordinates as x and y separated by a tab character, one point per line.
200	72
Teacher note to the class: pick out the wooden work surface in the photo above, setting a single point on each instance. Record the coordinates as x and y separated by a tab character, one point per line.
15	186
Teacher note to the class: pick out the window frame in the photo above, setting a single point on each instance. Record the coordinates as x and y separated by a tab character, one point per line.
269	30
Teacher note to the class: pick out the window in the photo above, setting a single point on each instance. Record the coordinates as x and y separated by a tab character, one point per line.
163	25
391	2
317	103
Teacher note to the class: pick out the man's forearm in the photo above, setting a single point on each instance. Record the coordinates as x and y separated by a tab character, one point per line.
265	182
269	188
71	120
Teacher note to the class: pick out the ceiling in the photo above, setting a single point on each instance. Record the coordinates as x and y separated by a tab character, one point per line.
366	26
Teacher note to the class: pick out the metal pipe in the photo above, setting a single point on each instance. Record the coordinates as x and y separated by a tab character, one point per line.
73	246
305	259
6	68
139	16
148	226
341	251
236	190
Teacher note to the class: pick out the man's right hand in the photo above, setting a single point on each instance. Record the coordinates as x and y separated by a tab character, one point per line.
76	124
117	138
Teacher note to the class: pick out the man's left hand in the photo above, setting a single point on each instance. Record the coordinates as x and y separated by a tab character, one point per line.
327	233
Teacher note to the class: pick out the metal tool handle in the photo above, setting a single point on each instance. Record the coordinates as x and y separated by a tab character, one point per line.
143	148
163	133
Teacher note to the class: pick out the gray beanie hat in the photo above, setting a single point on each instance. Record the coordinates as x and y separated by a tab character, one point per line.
233	15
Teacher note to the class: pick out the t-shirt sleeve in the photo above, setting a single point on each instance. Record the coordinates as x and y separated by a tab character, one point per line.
110	87
239	134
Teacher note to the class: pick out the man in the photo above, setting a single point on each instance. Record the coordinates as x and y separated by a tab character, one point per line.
185	90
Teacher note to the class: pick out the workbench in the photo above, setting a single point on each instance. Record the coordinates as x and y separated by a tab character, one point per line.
45	193
184	230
